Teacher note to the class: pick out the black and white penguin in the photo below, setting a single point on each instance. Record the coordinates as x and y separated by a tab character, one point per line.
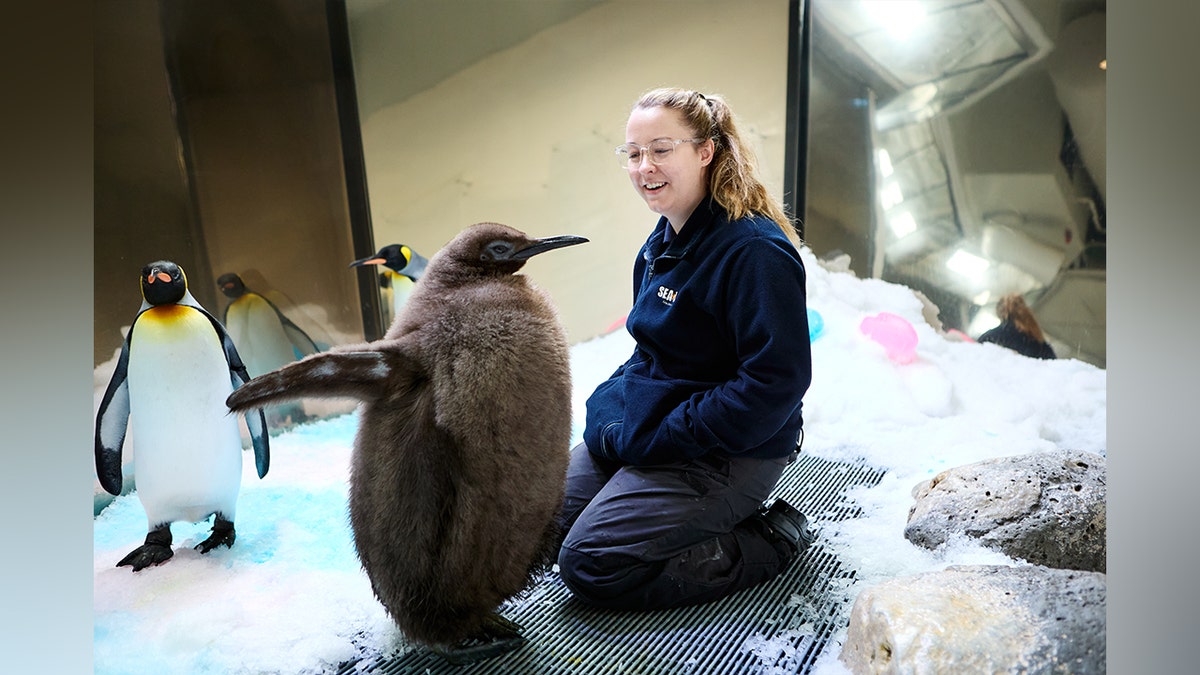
265	338
462	447
401	267
175	370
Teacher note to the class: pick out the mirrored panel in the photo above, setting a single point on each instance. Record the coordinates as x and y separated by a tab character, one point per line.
509	111
958	147
217	147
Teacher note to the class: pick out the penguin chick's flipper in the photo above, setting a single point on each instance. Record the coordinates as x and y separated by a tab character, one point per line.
157	549
497	636
222	533
354	374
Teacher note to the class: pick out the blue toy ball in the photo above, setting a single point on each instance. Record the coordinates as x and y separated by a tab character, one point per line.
816	325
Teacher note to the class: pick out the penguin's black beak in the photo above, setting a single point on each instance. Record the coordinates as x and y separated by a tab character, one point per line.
369	260
547	244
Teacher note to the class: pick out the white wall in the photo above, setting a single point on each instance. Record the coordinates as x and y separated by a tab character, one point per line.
525	136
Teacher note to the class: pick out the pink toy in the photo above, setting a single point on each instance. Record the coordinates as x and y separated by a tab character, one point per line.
961	336
896	335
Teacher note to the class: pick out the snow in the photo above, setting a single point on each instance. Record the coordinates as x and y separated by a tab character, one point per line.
290	596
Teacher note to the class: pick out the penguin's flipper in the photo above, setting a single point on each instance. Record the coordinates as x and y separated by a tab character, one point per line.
256	421
301	342
112	420
363	375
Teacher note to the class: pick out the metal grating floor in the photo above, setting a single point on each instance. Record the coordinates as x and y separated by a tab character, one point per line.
777	627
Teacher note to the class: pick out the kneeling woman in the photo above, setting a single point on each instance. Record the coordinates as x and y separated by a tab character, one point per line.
684	442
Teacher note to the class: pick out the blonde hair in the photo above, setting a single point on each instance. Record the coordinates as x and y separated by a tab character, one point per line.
732	176
1012	308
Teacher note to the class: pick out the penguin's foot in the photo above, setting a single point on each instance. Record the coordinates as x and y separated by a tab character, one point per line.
497	636
156	550
145	556
222	533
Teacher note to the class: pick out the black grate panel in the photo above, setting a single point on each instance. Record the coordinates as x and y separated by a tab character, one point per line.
777	627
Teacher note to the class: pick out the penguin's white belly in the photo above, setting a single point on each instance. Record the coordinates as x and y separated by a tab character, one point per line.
258	335
402	288
187	454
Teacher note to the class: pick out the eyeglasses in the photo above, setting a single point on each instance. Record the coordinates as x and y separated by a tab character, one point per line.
658	151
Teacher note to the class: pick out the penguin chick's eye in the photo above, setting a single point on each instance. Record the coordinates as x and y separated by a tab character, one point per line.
497	250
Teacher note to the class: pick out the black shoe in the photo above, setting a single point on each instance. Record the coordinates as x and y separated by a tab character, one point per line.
785	525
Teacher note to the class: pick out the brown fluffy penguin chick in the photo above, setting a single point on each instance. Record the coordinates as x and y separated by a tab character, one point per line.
462	446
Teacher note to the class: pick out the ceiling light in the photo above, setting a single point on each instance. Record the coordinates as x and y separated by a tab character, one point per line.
899	17
967	264
885	162
1103	64
902	224
890	195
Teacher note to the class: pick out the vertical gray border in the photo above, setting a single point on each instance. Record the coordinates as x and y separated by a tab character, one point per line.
46	285
1154	228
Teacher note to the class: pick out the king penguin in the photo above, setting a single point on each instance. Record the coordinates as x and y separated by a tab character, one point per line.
402	267
265	338
175	370
462	446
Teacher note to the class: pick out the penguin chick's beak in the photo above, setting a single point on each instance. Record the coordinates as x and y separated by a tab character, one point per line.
370	260
547	244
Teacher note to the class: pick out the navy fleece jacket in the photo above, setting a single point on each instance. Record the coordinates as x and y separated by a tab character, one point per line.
723	357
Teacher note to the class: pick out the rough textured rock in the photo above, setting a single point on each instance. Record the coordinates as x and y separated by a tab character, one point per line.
1044	508
981	619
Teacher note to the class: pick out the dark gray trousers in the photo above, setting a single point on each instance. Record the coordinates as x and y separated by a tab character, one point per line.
654	537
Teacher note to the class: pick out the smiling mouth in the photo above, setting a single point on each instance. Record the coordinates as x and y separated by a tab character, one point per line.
652	186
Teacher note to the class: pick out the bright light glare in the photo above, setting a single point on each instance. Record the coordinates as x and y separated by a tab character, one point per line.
902	224
885	162
899	17
890	195
967	264
984	319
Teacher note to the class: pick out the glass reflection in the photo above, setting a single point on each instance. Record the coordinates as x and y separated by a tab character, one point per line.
974	130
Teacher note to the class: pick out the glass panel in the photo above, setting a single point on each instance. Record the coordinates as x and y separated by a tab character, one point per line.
217	147
950	131
509	111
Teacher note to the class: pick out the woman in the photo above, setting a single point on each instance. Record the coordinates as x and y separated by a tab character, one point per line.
687	438
1018	329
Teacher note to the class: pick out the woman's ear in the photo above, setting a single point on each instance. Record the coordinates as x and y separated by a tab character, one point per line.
707	150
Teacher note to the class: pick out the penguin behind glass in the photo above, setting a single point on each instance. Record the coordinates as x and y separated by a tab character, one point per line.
175	370
461	453
265	338
402	267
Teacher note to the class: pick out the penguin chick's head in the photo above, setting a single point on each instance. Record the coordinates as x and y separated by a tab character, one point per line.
231	285
398	258
163	283
492	249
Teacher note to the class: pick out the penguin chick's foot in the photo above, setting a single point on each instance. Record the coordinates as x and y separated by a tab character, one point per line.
157	549
497	636
222	533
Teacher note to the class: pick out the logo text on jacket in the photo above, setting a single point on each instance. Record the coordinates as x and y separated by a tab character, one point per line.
667	295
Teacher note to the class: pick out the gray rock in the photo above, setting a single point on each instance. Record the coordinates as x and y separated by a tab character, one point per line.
980	619
1044	508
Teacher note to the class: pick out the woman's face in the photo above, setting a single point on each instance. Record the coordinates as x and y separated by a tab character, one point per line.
679	183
